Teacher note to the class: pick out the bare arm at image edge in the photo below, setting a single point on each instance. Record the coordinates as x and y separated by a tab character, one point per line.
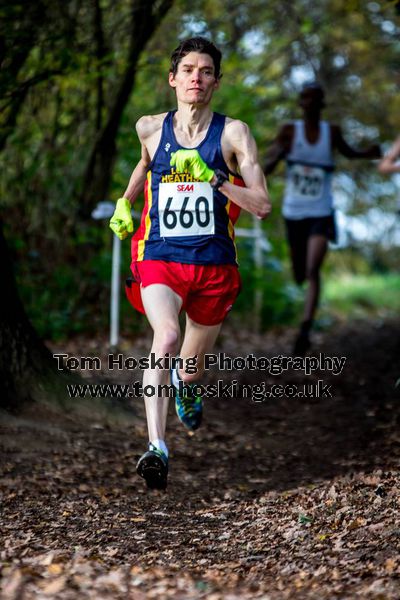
391	162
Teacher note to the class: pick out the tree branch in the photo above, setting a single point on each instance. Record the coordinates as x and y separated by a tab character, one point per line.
145	17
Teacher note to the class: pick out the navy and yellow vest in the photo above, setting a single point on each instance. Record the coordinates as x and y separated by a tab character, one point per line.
184	220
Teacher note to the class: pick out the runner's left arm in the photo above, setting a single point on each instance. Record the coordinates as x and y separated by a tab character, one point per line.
254	197
343	147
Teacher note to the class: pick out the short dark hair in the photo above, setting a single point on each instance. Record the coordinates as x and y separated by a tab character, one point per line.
200	45
314	86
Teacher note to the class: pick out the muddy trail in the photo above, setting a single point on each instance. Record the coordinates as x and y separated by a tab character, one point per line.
291	497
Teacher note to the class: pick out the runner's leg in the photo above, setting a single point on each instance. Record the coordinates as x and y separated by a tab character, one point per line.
316	251
162	306
297	239
198	341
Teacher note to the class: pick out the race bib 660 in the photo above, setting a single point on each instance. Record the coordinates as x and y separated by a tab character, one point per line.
186	209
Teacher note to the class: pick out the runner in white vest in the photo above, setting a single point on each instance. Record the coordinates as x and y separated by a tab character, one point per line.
307	146
308	191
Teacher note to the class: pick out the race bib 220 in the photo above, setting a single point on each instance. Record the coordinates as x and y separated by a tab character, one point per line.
306	182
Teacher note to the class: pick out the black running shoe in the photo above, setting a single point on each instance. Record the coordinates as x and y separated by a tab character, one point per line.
153	467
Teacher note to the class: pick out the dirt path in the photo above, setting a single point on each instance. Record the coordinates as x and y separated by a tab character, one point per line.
287	498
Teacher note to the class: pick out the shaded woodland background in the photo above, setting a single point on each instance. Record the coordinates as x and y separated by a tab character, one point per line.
76	76
303	499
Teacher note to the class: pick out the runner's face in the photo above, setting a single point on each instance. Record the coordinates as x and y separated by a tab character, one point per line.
311	101
194	80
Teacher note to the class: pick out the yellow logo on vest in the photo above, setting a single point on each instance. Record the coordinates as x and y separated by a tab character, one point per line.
175	177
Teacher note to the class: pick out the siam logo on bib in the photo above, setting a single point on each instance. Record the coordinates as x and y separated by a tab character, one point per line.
186	209
185	188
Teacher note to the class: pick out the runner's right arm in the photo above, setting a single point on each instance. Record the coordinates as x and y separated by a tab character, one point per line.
121	222
279	148
144	128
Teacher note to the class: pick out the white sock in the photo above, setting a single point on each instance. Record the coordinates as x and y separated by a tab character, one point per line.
161	445
175	379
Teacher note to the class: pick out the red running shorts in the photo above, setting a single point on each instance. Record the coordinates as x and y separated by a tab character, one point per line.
207	291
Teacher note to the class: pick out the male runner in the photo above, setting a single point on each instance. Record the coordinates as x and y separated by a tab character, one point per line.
183	253
308	145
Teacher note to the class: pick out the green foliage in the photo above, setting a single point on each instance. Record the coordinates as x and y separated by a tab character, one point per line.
362	296
67	296
267	290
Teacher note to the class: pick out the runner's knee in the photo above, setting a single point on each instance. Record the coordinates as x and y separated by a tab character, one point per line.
167	340
313	273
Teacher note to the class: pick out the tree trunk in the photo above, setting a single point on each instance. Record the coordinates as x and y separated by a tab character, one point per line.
25	362
145	18
27	369
100	54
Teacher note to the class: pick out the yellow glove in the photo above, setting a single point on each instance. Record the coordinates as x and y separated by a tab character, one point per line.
121	222
191	161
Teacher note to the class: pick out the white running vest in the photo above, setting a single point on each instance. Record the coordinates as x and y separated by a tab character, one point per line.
308	190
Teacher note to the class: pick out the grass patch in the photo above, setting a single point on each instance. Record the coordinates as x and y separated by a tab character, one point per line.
347	295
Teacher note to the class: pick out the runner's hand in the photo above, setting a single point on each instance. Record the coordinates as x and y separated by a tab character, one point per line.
191	161
121	222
